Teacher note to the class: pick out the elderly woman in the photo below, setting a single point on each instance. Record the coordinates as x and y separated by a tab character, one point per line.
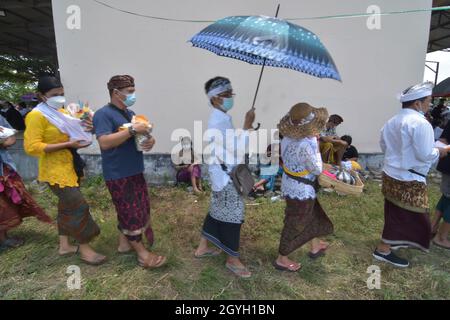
222	225
15	202
305	219
54	139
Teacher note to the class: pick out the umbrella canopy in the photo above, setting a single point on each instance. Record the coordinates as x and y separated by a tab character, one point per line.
268	41
442	89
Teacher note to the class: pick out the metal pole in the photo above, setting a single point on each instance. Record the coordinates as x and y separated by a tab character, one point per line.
263	66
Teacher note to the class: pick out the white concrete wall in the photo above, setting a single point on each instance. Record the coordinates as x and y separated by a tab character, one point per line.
374	65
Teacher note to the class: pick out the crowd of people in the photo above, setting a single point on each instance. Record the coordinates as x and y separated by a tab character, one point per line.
307	137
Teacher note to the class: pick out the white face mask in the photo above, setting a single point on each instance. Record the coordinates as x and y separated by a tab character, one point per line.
56	102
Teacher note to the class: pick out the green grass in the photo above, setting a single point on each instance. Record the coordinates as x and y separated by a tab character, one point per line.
35	271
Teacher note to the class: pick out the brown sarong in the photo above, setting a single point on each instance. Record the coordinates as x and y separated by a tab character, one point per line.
304	221
408	195
403	227
74	216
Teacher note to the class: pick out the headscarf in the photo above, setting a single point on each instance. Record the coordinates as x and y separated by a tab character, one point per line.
120	82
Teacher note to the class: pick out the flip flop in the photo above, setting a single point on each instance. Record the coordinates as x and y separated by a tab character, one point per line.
440	245
12	243
283	268
97	261
212	253
239	271
318	254
70	253
153	261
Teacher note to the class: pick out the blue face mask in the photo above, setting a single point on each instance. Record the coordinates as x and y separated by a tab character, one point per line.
130	99
227	104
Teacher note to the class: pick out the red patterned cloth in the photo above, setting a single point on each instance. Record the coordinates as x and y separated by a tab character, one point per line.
130	197
15	202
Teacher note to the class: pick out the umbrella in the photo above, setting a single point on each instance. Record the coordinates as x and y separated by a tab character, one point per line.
268	41
442	89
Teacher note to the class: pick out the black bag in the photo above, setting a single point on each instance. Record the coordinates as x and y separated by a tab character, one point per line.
78	163
242	178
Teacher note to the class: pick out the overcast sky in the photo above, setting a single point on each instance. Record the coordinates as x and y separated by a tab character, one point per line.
444	66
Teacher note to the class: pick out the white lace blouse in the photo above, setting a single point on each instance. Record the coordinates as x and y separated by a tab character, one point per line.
300	155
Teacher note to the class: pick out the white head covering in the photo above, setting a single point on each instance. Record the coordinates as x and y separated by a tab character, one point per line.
418	91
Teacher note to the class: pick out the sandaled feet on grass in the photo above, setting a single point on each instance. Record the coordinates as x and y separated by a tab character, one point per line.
89	256
318	248
443	243
283	263
235	265
65	248
151	261
11	242
207	252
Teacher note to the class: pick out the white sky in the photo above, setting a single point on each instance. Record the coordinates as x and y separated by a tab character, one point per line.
444	66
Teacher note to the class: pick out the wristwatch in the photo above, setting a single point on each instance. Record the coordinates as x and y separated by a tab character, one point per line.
132	131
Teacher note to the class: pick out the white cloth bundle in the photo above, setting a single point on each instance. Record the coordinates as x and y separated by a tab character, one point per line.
67	124
6	133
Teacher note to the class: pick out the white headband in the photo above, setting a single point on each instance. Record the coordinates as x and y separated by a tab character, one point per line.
220	89
418	91
304	121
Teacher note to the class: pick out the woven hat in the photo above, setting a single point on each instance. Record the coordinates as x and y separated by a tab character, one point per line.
310	121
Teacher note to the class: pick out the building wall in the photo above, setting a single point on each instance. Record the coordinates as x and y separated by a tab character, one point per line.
375	65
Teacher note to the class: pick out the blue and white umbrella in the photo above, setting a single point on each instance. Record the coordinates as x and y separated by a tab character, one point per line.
268	41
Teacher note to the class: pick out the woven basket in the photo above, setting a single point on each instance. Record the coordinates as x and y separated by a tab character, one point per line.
339	186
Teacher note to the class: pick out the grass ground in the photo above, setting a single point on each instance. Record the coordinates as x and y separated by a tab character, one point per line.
35	271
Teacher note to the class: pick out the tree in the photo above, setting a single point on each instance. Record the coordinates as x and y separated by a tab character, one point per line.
19	75
21	69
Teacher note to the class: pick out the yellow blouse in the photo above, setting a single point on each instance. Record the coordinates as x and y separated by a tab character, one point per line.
55	167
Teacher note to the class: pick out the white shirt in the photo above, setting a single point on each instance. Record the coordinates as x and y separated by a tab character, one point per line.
407	141
299	155
229	150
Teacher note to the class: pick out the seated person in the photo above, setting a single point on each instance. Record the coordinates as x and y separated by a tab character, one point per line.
270	168
332	147
188	167
351	153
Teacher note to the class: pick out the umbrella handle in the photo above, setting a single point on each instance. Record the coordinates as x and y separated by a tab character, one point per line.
257	126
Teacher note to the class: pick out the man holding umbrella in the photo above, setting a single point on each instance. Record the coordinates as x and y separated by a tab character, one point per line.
222	225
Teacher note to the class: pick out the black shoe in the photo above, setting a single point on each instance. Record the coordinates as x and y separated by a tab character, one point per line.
391	258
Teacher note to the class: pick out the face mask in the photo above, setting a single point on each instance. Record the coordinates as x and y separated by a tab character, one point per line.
227	104
56	102
130	99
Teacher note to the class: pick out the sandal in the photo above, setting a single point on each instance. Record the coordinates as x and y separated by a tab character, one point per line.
289	268
12	243
241	272
70	253
99	259
153	261
321	252
440	245
211	253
